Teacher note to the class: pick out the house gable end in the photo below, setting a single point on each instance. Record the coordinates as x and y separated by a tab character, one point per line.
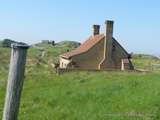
116	43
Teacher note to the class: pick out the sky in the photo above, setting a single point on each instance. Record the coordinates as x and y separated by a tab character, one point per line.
136	22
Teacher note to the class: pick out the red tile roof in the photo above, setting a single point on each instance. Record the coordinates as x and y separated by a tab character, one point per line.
85	46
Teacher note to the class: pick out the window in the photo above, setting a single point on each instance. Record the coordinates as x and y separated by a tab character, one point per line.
113	47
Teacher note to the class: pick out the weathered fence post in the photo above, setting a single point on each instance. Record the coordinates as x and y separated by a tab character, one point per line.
15	81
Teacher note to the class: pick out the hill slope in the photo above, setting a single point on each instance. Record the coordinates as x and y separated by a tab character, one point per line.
71	44
0	43
82	95
64	44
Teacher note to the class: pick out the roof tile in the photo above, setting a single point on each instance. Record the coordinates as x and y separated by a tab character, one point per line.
85	46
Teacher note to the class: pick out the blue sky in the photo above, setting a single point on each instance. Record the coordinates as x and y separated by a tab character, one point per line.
137	22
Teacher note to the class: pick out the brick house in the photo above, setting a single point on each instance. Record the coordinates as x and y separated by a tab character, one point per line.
99	52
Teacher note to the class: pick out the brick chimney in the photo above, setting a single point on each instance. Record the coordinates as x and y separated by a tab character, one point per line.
107	58
96	29
108	39
109	28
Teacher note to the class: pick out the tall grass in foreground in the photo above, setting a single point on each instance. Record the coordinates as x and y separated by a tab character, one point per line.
90	95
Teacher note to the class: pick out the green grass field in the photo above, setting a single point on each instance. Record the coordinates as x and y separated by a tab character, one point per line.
83	95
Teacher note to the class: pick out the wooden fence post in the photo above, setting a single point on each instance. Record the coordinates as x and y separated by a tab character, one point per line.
15	81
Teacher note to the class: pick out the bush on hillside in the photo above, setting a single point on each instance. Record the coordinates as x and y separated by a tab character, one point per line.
70	44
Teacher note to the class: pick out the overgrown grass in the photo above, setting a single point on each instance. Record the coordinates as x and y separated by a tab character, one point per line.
82	95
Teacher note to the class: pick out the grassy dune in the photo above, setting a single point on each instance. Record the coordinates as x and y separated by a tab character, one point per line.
83	95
